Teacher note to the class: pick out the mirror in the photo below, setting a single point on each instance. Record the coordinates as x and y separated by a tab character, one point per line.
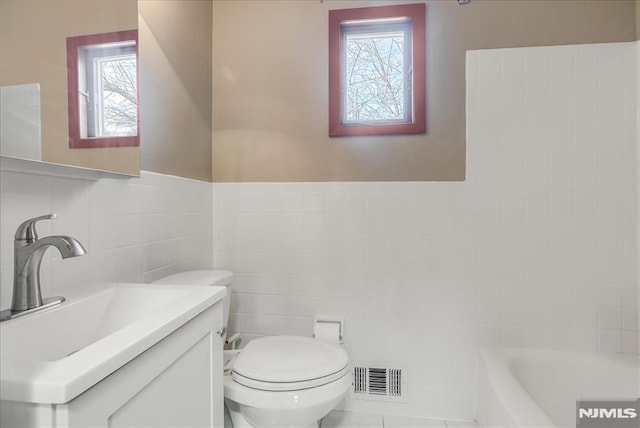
33	48
20	121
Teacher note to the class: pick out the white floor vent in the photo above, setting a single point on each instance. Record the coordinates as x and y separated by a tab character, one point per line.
379	381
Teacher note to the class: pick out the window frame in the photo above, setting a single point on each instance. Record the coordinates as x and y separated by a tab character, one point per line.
340	19
76	140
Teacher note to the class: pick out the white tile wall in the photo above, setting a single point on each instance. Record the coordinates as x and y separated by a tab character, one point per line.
537	248
136	229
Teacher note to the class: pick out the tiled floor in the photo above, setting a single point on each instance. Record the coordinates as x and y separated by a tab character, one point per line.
460	424
339	419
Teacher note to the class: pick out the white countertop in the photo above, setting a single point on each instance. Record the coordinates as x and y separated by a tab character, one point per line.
55	355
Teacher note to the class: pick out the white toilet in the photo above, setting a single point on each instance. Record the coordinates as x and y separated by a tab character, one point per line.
276	381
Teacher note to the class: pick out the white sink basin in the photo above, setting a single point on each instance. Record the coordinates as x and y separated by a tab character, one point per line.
55	355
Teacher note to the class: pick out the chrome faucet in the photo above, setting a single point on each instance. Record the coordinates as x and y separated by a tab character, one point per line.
28	252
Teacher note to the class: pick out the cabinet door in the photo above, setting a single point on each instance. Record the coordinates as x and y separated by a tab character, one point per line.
176	383
25	415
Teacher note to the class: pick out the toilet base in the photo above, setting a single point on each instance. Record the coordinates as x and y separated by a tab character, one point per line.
237	419
253	408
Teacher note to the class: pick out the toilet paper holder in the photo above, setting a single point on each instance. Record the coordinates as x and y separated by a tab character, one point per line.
320	321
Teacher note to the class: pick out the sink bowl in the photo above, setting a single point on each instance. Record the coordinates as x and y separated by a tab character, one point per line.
54	355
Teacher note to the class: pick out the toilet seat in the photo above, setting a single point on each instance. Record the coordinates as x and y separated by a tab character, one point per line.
289	363
288	386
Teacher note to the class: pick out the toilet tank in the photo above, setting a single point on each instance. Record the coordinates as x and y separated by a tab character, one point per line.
220	278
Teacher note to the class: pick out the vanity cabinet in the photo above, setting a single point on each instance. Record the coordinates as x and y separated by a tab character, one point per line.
175	383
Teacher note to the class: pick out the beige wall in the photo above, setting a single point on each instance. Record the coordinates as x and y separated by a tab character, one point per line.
638	19
175	87
33	49
270	94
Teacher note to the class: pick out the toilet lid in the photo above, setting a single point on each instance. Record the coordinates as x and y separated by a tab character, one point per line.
282	363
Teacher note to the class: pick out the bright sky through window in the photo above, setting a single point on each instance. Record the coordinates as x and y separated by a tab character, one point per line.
375	81
115	96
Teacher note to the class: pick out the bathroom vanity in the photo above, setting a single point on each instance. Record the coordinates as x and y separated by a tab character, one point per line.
130	355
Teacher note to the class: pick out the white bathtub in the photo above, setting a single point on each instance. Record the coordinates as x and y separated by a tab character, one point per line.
538	388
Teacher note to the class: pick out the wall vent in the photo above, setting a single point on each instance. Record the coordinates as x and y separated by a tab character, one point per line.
378	381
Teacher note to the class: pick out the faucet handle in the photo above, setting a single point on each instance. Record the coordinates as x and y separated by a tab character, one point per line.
27	230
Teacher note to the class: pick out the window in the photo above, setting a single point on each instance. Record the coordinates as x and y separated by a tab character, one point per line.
108	92
376	73
376	70
102	88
